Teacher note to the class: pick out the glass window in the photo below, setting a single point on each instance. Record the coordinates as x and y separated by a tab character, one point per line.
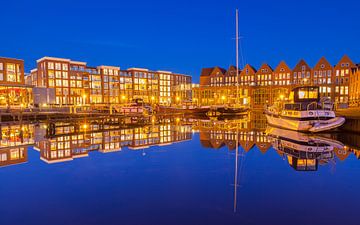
64	66
11	73
1	66
50	65
58	66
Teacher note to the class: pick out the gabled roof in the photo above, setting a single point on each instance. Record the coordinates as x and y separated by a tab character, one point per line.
206	71
217	68
322	61
250	68
282	65
344	59
231	68
300	64
264	66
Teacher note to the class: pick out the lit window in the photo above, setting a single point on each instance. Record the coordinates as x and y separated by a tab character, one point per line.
58	66
11	72
1	66
50	65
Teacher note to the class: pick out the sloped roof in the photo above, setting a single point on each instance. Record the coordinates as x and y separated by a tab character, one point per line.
206	71
221	69
282	64
265	66
322	60
231	68
300	64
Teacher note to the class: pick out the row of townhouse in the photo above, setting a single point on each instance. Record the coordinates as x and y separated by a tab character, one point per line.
76	83
266	85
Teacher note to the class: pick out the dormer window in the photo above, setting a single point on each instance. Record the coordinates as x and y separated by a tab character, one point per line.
303	68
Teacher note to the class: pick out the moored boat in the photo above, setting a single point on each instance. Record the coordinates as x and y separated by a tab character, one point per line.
305	112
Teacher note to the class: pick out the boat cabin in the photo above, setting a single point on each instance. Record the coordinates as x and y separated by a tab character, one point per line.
304	98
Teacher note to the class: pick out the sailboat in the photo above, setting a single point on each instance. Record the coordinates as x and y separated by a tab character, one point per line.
237	109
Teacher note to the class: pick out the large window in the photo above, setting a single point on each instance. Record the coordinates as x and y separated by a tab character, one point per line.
50	65
11	72
1	66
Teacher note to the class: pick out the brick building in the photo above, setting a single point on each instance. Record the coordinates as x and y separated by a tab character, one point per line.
265	85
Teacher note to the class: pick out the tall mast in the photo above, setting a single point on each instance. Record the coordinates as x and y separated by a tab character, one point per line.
237	56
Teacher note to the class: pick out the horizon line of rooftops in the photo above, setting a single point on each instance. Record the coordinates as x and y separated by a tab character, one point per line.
207	71
82	66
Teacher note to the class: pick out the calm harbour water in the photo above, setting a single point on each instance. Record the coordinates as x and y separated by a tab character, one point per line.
178	172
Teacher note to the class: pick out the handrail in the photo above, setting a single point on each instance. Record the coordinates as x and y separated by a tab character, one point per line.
307	107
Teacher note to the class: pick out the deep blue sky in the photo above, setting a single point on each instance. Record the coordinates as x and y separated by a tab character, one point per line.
179	35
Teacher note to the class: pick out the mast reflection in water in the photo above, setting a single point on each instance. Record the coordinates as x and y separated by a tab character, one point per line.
238	138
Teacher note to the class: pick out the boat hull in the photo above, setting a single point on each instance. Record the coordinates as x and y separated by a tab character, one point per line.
305	125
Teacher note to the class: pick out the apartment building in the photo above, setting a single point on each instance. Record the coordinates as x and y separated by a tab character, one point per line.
13	90
354	88
78	84
218	86
265	85
323	76
342	72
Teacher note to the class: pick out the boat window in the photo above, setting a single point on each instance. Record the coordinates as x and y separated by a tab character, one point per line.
308	93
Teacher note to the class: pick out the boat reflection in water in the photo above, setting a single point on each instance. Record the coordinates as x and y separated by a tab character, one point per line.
304	152
68	140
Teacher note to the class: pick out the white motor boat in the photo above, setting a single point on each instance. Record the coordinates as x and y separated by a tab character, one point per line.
305	112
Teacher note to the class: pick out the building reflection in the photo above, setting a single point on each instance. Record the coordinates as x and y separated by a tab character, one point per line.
66	141
249	131
71	141
14	142
302	152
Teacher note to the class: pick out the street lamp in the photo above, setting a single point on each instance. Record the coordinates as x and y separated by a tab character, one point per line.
223	99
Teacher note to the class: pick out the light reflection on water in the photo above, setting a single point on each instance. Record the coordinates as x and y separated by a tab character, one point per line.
239	157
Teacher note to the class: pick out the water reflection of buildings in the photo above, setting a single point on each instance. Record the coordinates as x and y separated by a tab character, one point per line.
73	141
14	142
249	131
302	152
68	144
